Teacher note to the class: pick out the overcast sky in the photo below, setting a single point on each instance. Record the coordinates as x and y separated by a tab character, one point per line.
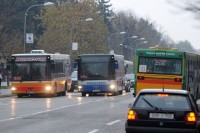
176	23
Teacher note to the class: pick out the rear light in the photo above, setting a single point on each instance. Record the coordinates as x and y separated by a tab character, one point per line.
162	95
180	54
140	77
178	80
190	117
132	115
140	52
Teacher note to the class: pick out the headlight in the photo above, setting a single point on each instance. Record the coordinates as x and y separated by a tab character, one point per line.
13	89
80	87
48	88
112	86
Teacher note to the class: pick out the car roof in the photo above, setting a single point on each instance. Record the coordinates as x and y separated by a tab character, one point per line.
171	91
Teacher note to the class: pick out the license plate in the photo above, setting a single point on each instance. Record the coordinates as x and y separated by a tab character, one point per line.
96	90
30	92
161	116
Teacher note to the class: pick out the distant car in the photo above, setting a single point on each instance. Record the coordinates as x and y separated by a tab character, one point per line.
74	79
129	80
163	111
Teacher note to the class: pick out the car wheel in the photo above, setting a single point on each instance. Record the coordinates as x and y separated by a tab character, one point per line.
19	95
127	89
83	94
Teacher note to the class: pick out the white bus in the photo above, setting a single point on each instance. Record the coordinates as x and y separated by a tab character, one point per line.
40	73
100	73
128	67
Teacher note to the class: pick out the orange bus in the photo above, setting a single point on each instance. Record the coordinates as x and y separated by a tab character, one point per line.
39	73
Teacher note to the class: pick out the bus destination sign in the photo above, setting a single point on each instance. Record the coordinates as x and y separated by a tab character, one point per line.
160	53
30	59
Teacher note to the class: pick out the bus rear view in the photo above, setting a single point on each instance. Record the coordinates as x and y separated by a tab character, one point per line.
159	68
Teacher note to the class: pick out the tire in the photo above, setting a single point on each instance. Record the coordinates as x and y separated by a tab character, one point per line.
115	93
19	95
121	92
63	93
127	89
83	94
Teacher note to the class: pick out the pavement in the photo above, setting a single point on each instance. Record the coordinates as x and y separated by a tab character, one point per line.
4	91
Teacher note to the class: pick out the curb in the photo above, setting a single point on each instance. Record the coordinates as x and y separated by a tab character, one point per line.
7	95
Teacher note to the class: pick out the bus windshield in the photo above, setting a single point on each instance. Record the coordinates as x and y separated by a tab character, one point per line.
97	71
31	71
96	68
160	65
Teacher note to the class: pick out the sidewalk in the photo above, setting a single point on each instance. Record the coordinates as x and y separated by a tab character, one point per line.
4	92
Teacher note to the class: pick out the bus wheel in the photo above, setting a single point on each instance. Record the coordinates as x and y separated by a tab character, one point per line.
83	94
19	95
63	93
115	93
121	92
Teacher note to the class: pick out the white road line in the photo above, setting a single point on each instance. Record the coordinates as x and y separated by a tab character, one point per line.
72	105
94	131
113	122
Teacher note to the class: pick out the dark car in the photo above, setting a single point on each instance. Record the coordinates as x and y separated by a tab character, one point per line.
129	80
74	79
163	111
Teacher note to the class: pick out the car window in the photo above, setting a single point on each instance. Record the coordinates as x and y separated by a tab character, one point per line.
131	76
163	101
74	74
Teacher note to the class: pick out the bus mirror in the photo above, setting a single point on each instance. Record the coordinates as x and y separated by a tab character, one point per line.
75	64
8	67
116	65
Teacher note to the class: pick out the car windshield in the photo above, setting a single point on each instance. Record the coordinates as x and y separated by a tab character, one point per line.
163	101
130	76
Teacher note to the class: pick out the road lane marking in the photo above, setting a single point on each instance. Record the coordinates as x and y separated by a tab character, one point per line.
113	122
67	106
94	131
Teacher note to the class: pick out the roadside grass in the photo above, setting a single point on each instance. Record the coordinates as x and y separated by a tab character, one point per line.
4	87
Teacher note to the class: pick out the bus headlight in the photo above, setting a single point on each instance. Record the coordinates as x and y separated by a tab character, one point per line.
13	89
79	88
48	88
112	86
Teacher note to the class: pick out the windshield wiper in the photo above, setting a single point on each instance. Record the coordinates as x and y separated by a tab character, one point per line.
154	107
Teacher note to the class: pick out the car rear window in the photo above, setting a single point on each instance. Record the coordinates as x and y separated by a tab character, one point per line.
163	101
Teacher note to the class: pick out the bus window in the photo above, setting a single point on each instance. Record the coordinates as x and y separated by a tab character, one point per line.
160	65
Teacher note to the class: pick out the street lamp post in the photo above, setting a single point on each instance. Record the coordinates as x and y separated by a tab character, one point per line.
128	38
120	33
132	37
72	28
45	4
126	46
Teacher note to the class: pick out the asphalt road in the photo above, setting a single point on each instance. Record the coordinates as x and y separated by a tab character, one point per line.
69	114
